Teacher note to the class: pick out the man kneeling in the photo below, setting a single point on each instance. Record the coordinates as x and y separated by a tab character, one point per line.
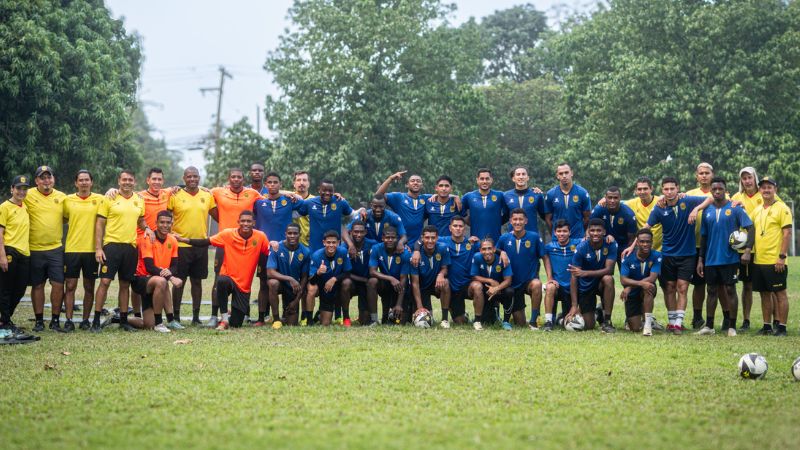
491	285
638	276
329	277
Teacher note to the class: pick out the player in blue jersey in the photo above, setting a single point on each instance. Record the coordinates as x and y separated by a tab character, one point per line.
377	217
557	290
567	201
359	249
410	205
638	276
522	196
442	206
718	263
329	277
257	179
524	249
388	271
591	269
287	270
430	276
486	208
461	251
491	285
678	248
325	213
619	219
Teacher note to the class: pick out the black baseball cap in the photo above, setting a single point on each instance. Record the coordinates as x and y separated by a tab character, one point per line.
42	169
20	180
768	180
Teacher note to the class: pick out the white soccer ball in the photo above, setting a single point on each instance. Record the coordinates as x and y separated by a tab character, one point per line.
422	318
737	239
575	324
796	369
752	366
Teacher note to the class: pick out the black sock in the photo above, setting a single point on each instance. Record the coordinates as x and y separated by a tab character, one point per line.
710	322
444	314
55	318
96	317
345	313
477	318
698	313
726	315
308	315
39	317
337	312
170	317
214	311
506	316
196	315
159	319
137	314
606	317
767	326
261	315
123	317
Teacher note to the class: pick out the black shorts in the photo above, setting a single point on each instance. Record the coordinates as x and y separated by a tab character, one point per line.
139	285
716	275
286	292
192	263
697	280
121	259
75	263
426	294
360	290
47	264
387	294
239	300
587	301
675	268
564	297
766	279
218	257
328	300
745	272
507	298
458	307
518	298
634	305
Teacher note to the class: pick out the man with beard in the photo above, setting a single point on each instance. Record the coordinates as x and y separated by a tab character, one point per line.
529	200
486	208
567	201
257	179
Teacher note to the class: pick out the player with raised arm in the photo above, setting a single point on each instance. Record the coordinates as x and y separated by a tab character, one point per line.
429	277
486	208
491	284
638	276
329	278
287	273
522	196
410	205
568	201
557	290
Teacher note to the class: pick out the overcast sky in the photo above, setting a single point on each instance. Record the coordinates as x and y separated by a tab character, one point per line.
185	42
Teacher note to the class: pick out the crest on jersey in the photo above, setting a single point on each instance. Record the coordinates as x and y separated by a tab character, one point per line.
255	242
605	251
530	199
338	260
202	200
527	244
572	247
283	202
397	260
650	264
494	198
300	257
246	194
728	212
94	202
55	200
8	257
438	257
422	201
620	221
683	205
169	245
452	208
104	269
575	198
468	246
333	206
498	269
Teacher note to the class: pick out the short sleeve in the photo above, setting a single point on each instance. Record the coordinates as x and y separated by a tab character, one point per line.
656	267
102	209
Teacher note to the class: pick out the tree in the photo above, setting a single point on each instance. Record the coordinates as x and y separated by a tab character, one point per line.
68	76
239	146
512	36
654	87
154	152
370	87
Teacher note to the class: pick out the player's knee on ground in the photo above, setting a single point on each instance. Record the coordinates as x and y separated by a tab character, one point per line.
635	323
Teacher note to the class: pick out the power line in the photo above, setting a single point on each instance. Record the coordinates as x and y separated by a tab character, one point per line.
217	129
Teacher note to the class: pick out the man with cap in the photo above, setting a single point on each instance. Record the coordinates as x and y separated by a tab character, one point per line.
46	210
14	251
773	229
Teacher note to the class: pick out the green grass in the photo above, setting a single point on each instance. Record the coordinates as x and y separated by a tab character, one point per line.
398	388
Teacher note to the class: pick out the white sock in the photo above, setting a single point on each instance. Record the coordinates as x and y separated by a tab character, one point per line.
671	315
548	317
648	319
225	317
680	314
373	317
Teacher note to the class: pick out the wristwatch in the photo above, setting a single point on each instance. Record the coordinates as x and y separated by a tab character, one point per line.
782	256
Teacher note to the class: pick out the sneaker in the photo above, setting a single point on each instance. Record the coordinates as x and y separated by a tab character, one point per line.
85	325
477	326
213	322
55	326
96	327
175	325
647	331
698	323
705	331
608	327
779	333
731	332
197	323
347	323
507	326
656	325
371	324
161	328
548	326
745	325
444	324
128	327
269	320
38	326
246	319
69	326
304	322
677	330
223	326
765	331
260	323
532	326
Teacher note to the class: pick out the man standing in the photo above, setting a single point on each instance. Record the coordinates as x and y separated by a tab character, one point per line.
567	201
642	205
301	183
773	230
257	179
486	208
638	276
442	206
377	217
619	219
45	206
410	206
718	263
325	214
287	273
522	196
14	251
80	211
429	277
191	207
703	173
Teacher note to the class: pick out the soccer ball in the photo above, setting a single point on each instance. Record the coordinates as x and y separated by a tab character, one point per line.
752	366
575	324
737	239
796	369
422	318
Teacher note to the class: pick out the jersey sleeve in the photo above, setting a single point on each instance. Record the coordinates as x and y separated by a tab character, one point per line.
786	217
218	240
465	205
656	267
373	256
475	268
401	229
304	264
174	253
346	208
146	248
393	199
3	217
548	205
577	260
624	270
597	212
302	208
631	221
612	251
445	257
405	268
586	202
654	217
272	260
313	266
102	208
347	266
744	219
703	226
507	272
265	246
171	203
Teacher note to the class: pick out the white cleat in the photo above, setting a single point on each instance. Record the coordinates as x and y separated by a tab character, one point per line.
647	331
445	324
705	331
161	328
731	332
477	326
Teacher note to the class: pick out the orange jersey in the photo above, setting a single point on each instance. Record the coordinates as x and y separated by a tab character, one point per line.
241	255
161	252
153	204
230	204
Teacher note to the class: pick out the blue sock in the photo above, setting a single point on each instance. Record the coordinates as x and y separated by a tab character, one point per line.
534	315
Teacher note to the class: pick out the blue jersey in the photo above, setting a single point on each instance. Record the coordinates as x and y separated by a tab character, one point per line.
439	214
560	259
293	263
493	270
531	203
569	206
337	265
323	217
679	236
524	254
375	228
618	224
360	263
273	216
411	211
263	191
460	261
393	265
487	213
717	226
588	258
638	269
430	265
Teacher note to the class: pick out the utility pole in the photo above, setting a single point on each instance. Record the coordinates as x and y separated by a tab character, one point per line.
258	120
217	129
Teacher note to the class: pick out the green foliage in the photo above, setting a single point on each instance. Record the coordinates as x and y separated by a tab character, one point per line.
512	35
68	76
154	152
239	146
654	87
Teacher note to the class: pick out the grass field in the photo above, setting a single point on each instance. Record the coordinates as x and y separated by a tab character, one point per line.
398	387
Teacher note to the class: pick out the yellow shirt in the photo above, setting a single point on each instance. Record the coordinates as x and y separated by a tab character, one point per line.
47	219
769	224
751	202
642	213
16	226
81	214
191	214
122	217
305	226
